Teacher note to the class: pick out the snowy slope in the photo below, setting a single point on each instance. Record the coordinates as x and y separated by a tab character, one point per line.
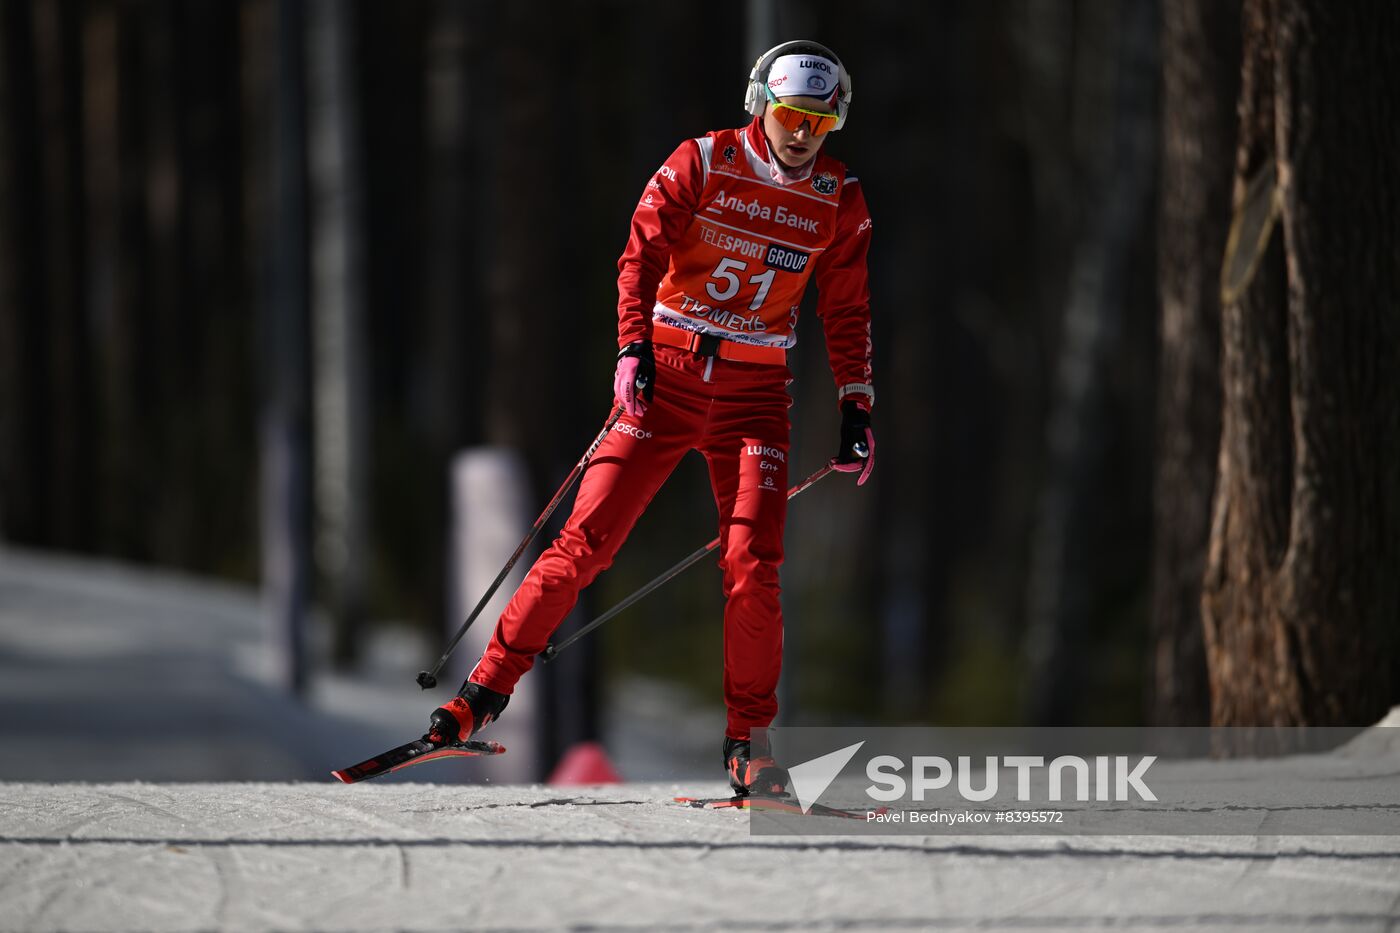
109	675
129	673
429	857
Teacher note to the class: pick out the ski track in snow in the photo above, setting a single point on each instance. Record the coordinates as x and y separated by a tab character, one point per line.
430	857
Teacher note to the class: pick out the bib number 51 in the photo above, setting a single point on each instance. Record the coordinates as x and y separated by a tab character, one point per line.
728	272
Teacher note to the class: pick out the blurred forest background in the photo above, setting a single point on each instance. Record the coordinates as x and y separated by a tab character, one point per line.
266	266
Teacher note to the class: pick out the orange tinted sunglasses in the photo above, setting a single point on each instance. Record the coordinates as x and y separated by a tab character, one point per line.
791	118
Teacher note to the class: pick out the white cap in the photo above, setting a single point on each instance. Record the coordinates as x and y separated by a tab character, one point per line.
804	76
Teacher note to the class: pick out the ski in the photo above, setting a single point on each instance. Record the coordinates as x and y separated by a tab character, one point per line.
777	804
412	753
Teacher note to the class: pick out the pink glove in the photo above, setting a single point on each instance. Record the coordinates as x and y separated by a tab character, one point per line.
857	452
635	379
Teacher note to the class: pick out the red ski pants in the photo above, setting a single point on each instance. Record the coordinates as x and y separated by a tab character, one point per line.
736	415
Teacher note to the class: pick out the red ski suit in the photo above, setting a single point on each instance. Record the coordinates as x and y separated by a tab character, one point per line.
721	246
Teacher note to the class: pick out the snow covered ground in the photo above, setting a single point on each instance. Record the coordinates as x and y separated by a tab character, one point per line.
131	674
111	678
308	856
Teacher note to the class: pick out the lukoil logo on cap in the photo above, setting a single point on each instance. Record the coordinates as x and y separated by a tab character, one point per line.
802	74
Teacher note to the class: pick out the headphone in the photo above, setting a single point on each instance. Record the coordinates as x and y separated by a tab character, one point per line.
755	98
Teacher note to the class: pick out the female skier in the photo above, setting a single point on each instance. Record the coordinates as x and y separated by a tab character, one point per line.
723	241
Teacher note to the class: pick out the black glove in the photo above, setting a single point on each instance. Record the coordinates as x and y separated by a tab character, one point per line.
634	383
857	451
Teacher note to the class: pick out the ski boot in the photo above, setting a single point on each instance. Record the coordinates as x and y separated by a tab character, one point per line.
464	715
750	774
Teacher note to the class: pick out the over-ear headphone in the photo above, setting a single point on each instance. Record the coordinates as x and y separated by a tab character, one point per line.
755	98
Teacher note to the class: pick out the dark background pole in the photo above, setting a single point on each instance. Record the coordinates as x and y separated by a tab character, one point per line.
285	419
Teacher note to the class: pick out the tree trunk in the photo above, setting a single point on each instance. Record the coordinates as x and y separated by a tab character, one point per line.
102	165
69	505
340	377
1061	590
131	429
456	47
24	430
1302	604
1200	82
218	524
286	417
164	352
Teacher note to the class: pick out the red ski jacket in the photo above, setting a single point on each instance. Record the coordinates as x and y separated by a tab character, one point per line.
723	244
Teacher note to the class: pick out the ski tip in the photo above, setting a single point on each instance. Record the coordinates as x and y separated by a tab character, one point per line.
343	777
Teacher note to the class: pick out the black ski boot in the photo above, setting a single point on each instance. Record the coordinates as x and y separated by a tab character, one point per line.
467	713
750	774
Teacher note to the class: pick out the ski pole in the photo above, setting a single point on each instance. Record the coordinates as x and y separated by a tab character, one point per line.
428	679
552	651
